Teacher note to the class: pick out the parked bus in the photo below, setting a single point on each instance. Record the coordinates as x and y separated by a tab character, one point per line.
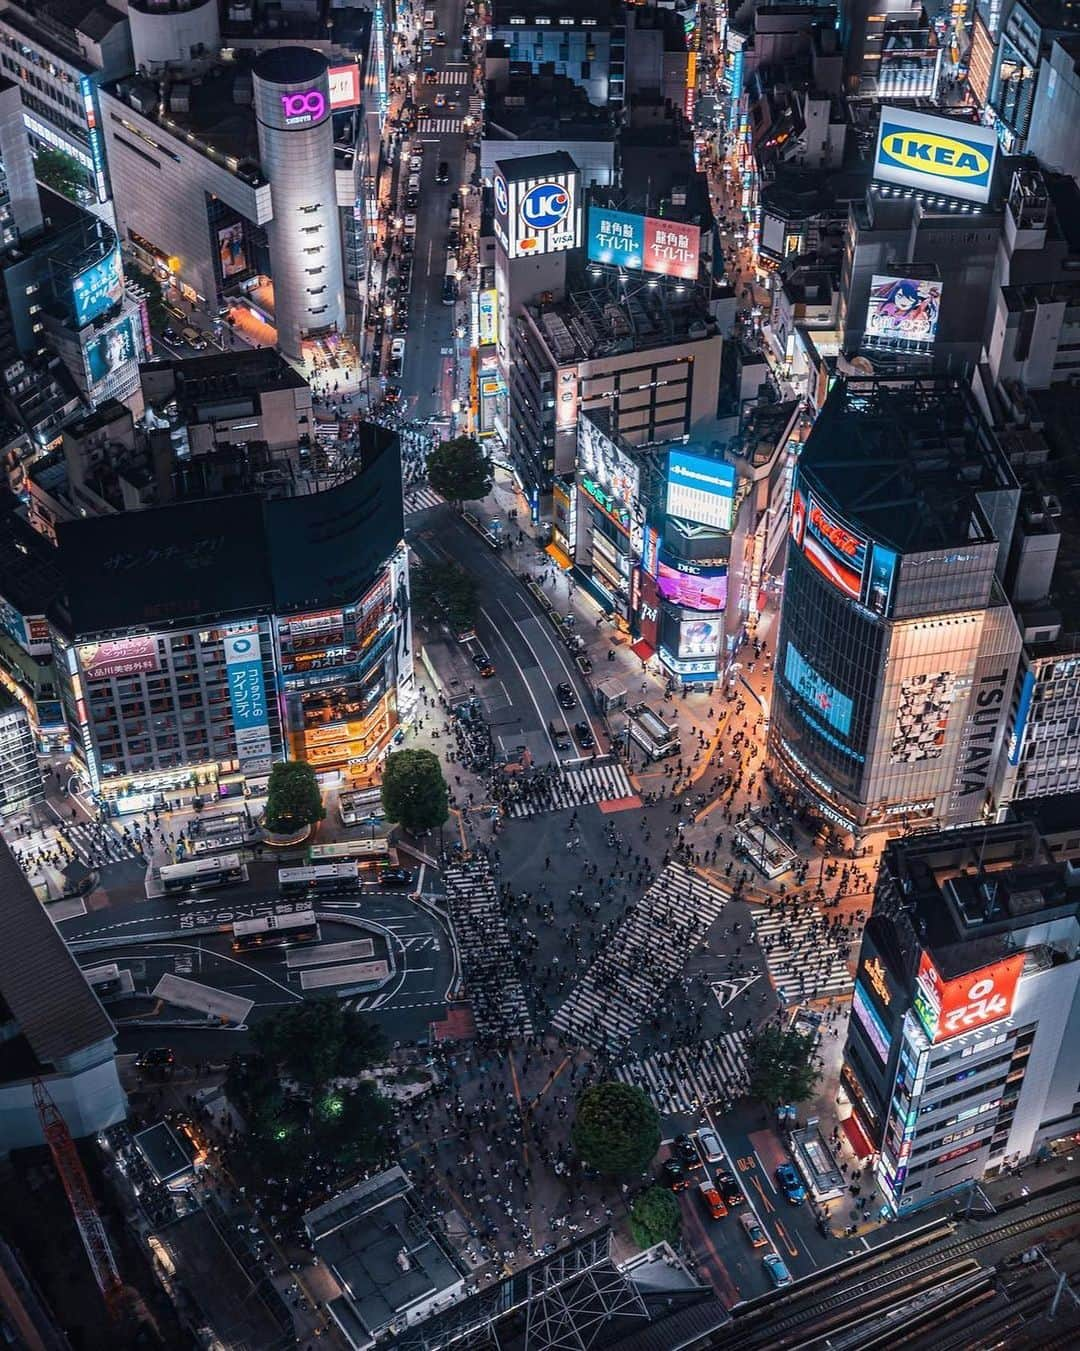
324	879
275	931
365	852
109	981
223	870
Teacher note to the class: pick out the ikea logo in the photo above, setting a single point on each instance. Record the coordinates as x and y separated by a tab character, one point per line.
939	156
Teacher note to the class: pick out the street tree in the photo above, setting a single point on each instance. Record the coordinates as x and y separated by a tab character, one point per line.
655	1217
293	800
616	1128
460	470
414	792
351	1126
318	1040
782	1065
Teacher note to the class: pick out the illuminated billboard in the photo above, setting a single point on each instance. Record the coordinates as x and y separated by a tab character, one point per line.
699	638
344	86
902	313
536	216
935	154
111	350
487	328
644	243
120	657
600	460
922	717
835	550
882	578
691	586
231	250
247	696
700	489
871	1022
825	699
98	288
948	1007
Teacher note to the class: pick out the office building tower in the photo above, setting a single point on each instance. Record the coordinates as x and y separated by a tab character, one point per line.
20	206
1023	46
897	647
20	778
52	1025
962	1050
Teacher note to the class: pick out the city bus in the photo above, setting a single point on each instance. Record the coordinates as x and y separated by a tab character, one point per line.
223	870
109	981
368	853
324	879
275	931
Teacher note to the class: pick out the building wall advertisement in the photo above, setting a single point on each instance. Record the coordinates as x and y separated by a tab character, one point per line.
111	350
98	288
935	154
825	699
120	657
902	313
644	243
945	1008
247	695
700	489
541	215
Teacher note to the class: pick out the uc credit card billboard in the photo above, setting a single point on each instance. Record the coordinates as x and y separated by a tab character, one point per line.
935	154
644	243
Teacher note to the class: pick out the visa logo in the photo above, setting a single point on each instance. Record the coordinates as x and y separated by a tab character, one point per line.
939	156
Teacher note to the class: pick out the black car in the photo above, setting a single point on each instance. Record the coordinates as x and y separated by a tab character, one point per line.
686	1152
674	1175
565	695
729	1189
170	335
395	877
585	738
442	173
483	664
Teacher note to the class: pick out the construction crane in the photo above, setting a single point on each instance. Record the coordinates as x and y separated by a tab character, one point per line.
81	1199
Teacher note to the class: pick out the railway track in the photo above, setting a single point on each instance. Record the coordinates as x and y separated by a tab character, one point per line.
800	1319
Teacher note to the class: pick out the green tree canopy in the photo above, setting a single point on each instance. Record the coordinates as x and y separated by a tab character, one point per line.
318	1040
460	470
414	792
350	1127
293	799
782	1065
444	590
655	1217
616	1129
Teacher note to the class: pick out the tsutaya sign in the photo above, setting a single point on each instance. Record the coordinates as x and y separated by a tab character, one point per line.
935	154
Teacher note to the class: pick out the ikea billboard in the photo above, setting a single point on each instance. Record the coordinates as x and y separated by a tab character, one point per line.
935	154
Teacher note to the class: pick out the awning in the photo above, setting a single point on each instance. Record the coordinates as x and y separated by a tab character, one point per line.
856	1138
564	562
643	650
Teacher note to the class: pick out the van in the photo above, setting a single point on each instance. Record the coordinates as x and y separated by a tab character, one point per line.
430	19
193	338
451	266
455	218
560	737
449	291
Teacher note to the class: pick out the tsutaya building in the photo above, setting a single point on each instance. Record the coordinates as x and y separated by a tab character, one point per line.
963	1049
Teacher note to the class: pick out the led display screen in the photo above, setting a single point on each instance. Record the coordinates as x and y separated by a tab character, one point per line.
870	1022
700	489
98	288
825	699
902	312
111	350
935	154
696	589
834	549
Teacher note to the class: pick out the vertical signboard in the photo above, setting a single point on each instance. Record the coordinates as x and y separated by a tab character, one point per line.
247	695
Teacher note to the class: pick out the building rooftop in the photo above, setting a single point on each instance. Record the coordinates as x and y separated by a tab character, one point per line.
381	1249
219	374
604	12
524	167
29	567
56	24
905	459
234	555
40	981
543	107
603	318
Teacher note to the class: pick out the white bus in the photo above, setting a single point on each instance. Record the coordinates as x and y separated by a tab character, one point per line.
275	931
324	879
369	852
222	870
360	804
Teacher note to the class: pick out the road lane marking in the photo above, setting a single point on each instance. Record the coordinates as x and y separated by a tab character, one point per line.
769	1207
787	1239
521	673
765	1172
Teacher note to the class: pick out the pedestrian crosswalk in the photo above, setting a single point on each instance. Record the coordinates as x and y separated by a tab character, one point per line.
628	982
688	1078
804	961
599	782
422	498
442	126
457	77
492	985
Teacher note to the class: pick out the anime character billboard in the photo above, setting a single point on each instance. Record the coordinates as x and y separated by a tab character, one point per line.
902	312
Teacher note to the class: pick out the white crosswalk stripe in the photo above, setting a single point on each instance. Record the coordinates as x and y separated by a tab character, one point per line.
422	499
803	961
629	980
498	1001
573	787
441	126
688	1077
457	77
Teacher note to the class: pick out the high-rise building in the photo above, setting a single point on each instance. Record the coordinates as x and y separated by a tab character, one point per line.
20	206
962	1050
202	641
1023	45
20	777
897	649
52	1025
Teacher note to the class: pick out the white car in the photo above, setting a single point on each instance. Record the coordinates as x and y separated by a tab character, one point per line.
710	1143
410	224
